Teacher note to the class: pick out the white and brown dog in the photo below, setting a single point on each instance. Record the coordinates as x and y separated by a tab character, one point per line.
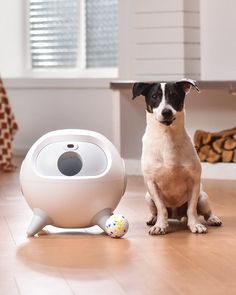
170	164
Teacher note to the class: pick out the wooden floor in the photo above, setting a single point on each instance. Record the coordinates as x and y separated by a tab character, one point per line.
89	262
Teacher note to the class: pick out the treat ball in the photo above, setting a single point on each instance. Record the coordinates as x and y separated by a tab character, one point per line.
117	226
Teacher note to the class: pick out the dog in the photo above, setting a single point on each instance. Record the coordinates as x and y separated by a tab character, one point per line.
170	164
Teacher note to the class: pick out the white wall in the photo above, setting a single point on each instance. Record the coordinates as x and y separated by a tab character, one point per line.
12	28
42	106
218	40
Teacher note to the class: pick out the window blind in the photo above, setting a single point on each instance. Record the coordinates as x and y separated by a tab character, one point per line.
101	33
54	33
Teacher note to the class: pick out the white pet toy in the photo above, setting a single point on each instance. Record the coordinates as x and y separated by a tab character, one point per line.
73	179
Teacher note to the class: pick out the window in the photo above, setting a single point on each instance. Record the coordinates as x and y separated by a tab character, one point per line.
73	34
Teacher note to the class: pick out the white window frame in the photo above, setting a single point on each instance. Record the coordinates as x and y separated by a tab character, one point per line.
80	71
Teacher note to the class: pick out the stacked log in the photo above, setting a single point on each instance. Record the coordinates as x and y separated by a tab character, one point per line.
216	147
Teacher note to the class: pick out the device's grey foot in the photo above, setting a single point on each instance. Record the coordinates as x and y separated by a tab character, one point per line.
39	221
101	218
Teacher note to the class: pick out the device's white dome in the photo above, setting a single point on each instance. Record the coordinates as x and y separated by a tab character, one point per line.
69	177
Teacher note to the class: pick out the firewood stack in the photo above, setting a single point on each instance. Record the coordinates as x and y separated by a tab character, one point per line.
215	147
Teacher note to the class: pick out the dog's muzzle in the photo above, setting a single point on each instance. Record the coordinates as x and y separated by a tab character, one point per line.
167	123
167	116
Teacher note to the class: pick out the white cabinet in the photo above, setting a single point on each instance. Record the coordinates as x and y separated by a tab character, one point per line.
218	39
171	39
159	39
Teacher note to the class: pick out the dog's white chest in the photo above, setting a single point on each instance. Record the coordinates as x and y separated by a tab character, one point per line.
170	162
168	149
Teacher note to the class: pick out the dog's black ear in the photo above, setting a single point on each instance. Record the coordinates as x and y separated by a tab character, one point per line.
186	85
141	88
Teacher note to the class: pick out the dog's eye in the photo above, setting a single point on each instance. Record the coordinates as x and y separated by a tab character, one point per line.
156	95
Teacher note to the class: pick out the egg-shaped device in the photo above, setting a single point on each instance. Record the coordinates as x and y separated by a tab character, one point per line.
72	178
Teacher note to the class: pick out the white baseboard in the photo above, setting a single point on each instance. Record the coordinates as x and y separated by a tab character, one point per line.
226	171
133	167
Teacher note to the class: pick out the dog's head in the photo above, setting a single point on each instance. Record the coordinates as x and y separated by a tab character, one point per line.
164	100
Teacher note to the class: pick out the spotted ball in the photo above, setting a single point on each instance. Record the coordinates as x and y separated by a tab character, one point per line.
117	226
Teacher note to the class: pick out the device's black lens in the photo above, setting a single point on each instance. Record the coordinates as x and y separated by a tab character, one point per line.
69	163
70	146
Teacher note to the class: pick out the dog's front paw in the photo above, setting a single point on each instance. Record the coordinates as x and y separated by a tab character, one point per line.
159	228
214	221
197	228
152	220
156	230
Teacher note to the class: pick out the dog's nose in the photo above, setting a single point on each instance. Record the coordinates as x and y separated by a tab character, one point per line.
167	113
